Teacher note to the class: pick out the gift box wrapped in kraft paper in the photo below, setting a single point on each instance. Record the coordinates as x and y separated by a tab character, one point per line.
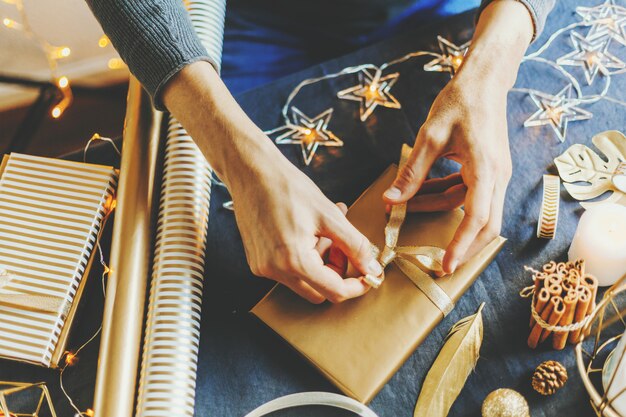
359	344
51	214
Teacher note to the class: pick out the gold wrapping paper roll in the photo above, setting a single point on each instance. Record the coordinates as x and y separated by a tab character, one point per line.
131	249
359	344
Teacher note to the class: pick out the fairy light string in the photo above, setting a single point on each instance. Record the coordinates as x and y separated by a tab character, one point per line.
606	23
71	357
52	53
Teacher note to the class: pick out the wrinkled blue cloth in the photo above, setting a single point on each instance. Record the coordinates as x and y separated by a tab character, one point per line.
242	364
258	50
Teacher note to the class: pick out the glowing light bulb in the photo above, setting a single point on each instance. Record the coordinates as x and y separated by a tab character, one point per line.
70	358
103	41
457	61
89	412
116	63
307	132
56	112
60	52
63	82
11	24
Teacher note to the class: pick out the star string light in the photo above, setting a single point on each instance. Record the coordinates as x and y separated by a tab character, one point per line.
592	56
308	132
607	19
556	111
372	91
451	57
52	54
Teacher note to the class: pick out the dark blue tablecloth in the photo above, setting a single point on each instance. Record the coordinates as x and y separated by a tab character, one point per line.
242	364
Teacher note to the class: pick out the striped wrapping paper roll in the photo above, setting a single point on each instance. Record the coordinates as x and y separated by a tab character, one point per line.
169	363
51	212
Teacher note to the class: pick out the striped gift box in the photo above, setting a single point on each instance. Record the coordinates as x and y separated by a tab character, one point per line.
51	213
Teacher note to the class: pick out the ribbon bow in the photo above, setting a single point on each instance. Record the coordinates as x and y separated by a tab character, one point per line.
47	304
416	262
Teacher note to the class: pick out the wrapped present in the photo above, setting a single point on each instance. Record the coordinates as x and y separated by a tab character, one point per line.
51	214
359	344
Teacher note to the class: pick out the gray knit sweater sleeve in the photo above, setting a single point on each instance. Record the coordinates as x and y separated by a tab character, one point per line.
539	10
154	37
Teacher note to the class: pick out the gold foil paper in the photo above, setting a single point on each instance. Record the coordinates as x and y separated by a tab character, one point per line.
51	213
359	344
132	245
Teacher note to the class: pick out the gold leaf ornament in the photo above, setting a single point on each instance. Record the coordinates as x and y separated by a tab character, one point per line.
455	362
582	164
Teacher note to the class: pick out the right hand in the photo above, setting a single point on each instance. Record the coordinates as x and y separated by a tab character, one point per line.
288	226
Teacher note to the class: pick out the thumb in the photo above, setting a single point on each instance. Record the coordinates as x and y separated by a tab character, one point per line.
356	247
412	175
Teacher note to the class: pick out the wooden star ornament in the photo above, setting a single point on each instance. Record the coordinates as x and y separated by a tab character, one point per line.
308	132
372	91
451	57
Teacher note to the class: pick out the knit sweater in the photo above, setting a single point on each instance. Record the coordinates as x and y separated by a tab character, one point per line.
156	38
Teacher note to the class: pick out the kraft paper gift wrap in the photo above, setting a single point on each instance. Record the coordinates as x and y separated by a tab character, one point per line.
359	344
51	213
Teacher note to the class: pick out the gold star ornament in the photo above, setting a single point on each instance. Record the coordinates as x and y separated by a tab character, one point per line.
556	111
451	57
308	132
372	91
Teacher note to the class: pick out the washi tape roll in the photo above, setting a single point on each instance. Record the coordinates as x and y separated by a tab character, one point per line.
619	177
549	215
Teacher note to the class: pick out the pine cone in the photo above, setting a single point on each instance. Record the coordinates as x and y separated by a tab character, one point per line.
549	377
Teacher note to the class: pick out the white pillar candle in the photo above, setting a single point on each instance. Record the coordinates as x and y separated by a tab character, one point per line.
600	240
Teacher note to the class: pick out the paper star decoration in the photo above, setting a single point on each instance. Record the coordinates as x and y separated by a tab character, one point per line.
309	133
451	58
556	111
592	56
372	91
607	19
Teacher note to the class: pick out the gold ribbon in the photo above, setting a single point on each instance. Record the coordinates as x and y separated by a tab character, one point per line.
44	303
416	262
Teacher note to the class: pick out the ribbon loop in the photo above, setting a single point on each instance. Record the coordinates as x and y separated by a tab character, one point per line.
416	262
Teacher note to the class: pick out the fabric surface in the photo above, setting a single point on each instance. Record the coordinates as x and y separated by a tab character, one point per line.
242	364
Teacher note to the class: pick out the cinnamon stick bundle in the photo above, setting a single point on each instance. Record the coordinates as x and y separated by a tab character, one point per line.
563	296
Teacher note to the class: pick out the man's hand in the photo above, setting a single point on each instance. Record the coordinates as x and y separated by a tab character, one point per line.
287	225
467	123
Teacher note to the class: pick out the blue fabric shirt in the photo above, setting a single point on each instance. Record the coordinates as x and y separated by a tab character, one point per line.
264	39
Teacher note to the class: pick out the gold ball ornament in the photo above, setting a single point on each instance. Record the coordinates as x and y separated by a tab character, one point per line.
505	402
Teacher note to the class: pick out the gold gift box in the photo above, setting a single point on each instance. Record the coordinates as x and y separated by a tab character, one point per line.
359	344
51	214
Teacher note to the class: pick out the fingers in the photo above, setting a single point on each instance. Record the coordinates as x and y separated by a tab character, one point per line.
450	199
331	285
305	291
352	243
477	214
492	229
438	185
410	178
